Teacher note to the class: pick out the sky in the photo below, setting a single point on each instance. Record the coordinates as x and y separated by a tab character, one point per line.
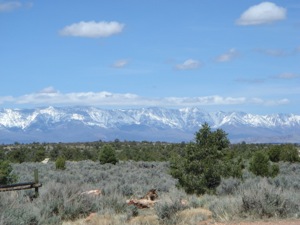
217	55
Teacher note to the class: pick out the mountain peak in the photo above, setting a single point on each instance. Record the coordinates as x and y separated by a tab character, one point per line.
68	124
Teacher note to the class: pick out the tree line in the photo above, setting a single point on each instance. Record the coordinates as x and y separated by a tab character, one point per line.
199	165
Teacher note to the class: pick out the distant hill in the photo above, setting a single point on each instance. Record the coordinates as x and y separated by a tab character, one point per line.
76	124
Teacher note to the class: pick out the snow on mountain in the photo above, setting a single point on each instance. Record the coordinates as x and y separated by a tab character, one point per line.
71	124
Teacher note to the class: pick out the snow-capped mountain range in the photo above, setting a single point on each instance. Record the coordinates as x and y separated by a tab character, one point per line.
77	124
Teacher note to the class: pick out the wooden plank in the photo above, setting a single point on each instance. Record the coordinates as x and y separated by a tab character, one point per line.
20	187
18	184
36	181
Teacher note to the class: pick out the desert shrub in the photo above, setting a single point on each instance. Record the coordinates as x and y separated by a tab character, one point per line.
194	201
131	211
255	198
66	202
288	178
167	211
264	200
113	203
60	163
170	205
54	220
228	186
21	215
16	208
60	197
126	190
6	175
225	208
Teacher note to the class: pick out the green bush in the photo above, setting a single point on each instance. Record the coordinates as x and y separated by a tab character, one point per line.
60	163
108	155
289	153
274	153
261	166
6	175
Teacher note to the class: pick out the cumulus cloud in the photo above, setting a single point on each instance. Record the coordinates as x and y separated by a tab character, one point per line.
120	63
50	96
263	13
188	65
228	56
9	6
92	29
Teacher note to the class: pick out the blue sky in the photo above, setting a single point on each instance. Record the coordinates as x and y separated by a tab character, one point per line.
213	54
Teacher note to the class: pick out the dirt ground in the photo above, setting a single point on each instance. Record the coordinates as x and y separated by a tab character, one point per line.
270	222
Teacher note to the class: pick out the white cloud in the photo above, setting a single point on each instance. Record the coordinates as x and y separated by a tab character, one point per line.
276	102
50	96
204	100
188	65
4	99
259	101
120	63
263	13
9	6
228	56
48	90
92	29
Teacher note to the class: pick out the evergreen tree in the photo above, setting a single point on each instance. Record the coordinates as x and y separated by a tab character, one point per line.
274	153
289	153
199	171
261	166
108	155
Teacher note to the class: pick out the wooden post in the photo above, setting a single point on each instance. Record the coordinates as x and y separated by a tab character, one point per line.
36	181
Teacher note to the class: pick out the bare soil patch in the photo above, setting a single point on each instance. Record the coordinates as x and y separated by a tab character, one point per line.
260	222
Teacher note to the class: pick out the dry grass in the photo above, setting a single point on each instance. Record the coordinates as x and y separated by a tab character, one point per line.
146	217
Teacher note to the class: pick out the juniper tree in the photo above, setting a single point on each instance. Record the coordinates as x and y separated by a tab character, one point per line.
108	155
199	170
